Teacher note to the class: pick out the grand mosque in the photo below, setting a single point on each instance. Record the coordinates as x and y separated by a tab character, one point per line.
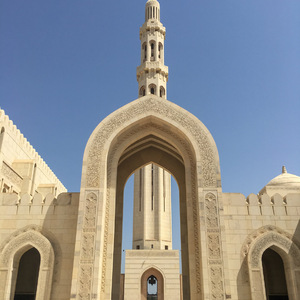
59	245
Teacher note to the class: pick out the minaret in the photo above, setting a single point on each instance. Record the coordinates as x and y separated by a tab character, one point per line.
152	215
152	268
152	74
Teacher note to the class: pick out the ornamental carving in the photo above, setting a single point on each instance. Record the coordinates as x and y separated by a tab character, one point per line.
270	239
165	110
22	240
214	246
11	175
262	230
87	246
185	145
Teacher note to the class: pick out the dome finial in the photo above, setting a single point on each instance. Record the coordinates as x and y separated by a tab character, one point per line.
284	171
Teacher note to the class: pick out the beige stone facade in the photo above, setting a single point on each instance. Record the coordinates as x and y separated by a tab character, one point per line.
232	247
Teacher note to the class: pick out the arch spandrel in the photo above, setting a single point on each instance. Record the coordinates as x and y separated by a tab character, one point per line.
178	119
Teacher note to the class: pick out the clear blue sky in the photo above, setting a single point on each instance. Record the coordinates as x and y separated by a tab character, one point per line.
66	64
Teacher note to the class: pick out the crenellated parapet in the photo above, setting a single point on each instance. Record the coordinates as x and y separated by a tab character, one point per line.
38	200
261	205
22	169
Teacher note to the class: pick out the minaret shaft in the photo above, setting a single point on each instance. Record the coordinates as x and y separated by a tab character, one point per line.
152	216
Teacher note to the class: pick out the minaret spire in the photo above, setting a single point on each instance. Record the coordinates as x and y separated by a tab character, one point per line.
152	74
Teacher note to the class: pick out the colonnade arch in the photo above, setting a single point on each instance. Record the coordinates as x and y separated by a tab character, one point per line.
147	130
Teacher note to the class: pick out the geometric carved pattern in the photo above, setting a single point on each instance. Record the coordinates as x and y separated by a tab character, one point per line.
214	247
87	247
163	109
262	230
12	175
268	240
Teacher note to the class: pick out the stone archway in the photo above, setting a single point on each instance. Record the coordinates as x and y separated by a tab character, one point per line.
148	130
279	241
10	255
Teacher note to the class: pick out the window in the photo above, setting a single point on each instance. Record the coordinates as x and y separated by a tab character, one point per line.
166	247
142	91
152	288
162	92
152	50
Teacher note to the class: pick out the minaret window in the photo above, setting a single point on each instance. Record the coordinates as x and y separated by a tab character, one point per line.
142	91
152	89
144	52
162	92
152	45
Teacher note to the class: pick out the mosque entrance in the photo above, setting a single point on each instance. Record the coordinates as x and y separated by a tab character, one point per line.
147	131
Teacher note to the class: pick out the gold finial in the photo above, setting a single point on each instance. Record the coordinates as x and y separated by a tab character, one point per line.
284	170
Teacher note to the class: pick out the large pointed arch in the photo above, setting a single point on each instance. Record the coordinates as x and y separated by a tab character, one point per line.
147	130
10	255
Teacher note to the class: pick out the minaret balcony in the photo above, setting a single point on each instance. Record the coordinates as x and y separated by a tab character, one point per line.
152	65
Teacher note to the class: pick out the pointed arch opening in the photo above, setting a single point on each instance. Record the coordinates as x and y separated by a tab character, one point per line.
152	285
273	253
152	150
29	248
28	274
147	130
274	276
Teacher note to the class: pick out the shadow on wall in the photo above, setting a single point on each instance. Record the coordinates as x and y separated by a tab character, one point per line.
243	284
61	221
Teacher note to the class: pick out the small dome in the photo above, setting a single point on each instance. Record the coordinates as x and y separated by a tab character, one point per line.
285	179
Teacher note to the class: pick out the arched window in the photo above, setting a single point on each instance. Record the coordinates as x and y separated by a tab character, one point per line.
152	89
152	46
152	285
160	51
144	52
162	92
142	91
274	276
152	288
28	273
